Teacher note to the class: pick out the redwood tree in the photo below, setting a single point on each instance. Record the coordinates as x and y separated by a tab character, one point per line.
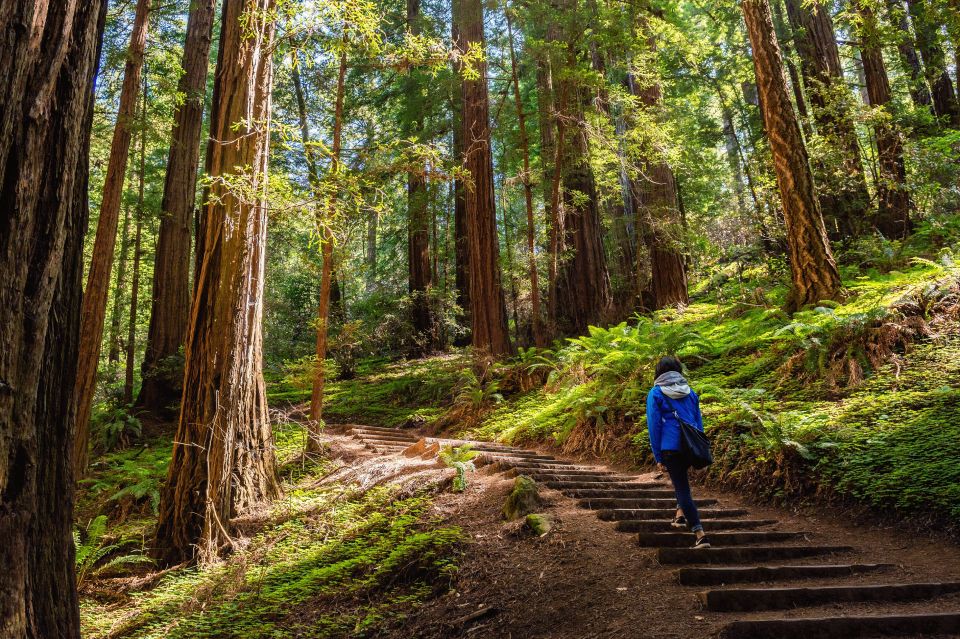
583	295
926	25
461	246
419	271
893	214
813	271
658	212
843	196
170	310
98	280
223	460
488	313
48	59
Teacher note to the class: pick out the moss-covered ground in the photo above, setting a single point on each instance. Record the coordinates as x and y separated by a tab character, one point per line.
329	559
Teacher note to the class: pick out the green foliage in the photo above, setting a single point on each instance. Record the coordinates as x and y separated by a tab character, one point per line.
460	458
96	554
113	426
338	564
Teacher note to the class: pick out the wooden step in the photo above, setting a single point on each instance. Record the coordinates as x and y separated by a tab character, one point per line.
543	463
722	539
664	525
754	599
377	429
381	440
753	574
653	490
946	623
597	503
665	514
743	554
620	490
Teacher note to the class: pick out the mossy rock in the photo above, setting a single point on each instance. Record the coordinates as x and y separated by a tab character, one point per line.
523	499
539	524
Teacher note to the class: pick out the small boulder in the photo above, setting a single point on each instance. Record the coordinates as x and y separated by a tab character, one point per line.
523	499
538	524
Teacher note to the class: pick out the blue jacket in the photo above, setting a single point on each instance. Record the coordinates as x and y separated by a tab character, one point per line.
661	423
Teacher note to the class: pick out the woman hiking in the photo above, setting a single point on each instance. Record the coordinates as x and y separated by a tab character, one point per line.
671	397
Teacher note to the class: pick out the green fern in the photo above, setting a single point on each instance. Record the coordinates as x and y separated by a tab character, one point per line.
460	458
93	551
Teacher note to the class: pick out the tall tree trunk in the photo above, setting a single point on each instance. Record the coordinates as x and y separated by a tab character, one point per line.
814	273
583	295
170	309
919	91
119	288
98	280
372	222
132	324
488	313
419	273
658	209
926	26
893	216
786	38
223	462
538	336
843	194
131	344
461	245
48	59
325	229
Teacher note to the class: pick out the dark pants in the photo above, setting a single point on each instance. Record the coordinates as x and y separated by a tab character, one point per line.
677	467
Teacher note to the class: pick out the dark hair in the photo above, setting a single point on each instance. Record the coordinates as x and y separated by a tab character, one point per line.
666	364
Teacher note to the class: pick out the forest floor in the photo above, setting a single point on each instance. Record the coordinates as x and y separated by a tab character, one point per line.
586	579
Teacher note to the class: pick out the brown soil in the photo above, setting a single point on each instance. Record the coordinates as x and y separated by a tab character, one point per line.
584	579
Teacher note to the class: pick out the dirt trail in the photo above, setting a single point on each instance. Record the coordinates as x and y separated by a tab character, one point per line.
589	577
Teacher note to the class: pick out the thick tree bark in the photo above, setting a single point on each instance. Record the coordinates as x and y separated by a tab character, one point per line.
894	205
48	58
170	309
844	199
419	270
538	337
926	26
814	273
659	213
786	38
325	229
919	91
461	246
488	313
98	280
372	222
223	462
583	295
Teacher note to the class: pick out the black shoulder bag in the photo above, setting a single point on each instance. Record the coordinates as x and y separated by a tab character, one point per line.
694	444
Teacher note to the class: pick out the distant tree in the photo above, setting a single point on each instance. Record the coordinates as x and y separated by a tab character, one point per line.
488	313
919	91
419	269
843	194
98	279
927	23
48	59
658	208
813	271
223	460
893	214
170	310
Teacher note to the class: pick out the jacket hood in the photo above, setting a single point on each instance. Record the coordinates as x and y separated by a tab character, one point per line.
673	385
